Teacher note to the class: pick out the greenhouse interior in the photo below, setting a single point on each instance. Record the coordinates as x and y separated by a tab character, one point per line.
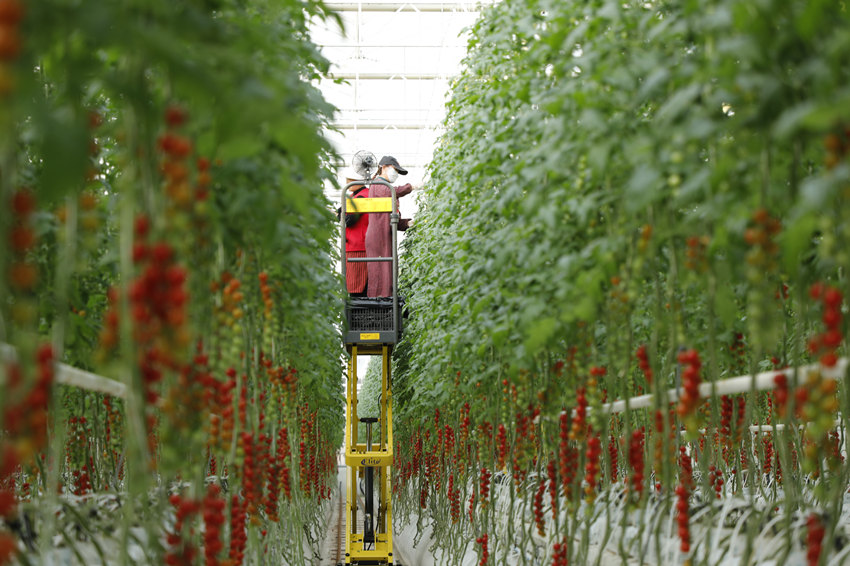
470	283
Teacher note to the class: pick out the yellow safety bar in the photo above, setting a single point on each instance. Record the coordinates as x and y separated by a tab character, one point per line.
377	204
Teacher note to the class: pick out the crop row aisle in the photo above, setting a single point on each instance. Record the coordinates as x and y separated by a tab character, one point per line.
171	389
633	204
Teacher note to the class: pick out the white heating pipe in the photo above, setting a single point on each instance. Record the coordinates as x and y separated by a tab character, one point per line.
743	383
69	375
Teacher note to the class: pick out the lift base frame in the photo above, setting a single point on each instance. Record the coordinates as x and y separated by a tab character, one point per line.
379	457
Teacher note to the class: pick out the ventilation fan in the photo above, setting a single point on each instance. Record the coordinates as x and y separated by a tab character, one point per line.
365	164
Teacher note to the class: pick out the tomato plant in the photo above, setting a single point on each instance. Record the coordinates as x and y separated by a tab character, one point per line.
618	177
164	225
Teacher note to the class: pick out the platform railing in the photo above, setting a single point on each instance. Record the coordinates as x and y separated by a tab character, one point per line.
346	205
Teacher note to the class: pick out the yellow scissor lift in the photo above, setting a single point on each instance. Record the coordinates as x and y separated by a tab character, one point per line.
373	328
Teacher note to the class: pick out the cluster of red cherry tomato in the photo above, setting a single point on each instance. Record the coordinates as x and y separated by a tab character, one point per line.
559	554
454	499
552	476
567	456
643	363
484	486
181	549
501	447
238	533
594	451
614	456
762	238
683	492
636	445
690	399
23	272
485	554
537	507
815	532
212	510
11	14
696	259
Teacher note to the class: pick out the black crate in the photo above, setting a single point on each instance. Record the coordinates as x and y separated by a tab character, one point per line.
371	314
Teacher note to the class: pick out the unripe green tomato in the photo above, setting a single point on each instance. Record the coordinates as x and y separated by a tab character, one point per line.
89	222
24	311
638	262
202	207
756	257
676	157
180	221
674	180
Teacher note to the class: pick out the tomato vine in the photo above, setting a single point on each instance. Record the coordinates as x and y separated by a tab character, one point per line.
161	169
619	177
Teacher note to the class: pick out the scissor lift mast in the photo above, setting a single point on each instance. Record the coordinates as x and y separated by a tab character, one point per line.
373	327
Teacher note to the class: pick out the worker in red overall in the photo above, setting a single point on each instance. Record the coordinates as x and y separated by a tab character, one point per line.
378	233
355	240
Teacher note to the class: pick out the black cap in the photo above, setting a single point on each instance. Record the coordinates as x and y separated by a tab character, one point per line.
390	160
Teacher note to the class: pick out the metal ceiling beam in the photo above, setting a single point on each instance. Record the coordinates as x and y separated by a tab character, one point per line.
387	76
390	46
471	7
406	165
386	126
404	157
343	110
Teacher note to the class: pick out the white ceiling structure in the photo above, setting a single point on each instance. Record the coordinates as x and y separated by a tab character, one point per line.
390	71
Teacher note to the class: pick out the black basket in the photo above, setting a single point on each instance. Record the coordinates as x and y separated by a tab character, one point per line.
372	314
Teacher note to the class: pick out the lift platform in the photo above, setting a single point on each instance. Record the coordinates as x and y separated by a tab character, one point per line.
373	327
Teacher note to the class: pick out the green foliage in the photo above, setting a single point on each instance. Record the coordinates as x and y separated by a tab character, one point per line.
616	174
89	102
573	127
238	70
369	397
